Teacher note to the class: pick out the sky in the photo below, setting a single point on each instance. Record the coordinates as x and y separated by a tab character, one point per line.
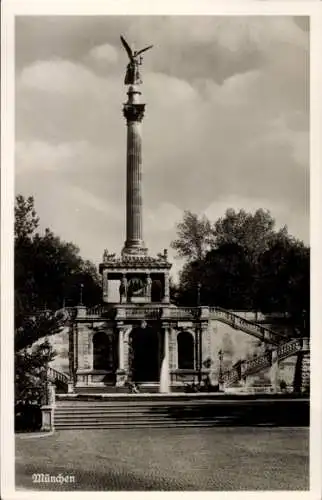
226	122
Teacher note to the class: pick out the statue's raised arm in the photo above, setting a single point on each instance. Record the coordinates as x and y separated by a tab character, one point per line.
133	76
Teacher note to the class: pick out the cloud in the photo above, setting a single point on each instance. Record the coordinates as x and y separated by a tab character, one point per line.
39	155
33	156
163	218
104	54
226	122
83	197
58	76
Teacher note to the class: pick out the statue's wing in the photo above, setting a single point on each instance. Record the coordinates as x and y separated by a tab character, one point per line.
127	47
143	50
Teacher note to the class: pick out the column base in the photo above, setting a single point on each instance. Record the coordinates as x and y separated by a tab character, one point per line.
71	387
121	378
134	248
47	418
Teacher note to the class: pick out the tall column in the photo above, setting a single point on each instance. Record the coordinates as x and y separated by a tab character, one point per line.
121	350
120	372
134	111
105	285
166	297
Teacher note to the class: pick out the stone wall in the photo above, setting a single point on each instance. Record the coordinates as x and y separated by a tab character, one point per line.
217	336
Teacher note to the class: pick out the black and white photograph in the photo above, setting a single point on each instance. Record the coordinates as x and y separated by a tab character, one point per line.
161	253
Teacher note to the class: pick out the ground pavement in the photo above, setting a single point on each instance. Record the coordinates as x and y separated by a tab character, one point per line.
219	458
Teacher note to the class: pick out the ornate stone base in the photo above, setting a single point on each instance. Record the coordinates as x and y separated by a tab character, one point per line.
47	423
121	378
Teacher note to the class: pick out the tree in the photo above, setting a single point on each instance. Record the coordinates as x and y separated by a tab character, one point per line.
48	275
284	282
195	237
251	265
30	384
26	220
228	277
253	232
48	271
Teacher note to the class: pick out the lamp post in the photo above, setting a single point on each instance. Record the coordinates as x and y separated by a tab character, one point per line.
220	377
46	352
198	293
81	294
199	338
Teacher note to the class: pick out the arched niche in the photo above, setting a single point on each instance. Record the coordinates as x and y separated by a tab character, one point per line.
103	352
186	350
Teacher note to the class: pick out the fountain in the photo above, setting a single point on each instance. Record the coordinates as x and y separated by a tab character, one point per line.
164	375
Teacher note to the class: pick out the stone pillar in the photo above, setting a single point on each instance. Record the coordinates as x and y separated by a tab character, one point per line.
121	349
274	371
166	297
71	357
120	372
105	285
134	112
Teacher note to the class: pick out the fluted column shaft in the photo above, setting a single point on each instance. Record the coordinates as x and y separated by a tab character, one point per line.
133	111
121	349
134	178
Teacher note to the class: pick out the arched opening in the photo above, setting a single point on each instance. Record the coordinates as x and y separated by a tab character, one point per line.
103	352
185	351
156	291
145	357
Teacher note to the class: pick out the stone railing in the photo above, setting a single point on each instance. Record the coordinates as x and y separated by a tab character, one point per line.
231	376
183	313
96	311
292	347
56	376
257	363
142	312
237	322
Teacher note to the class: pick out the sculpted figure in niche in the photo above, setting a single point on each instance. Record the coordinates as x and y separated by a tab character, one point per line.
123	289
148	289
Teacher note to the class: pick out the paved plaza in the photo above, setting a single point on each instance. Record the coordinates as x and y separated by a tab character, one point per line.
220	458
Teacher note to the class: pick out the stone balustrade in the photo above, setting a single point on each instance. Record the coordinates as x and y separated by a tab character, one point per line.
288	348
231	376
54	375
258	363
245	325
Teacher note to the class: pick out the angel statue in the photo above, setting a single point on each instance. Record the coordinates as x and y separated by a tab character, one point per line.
133	76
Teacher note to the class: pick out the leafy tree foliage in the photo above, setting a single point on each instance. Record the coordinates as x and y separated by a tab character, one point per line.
250	265
26	220
284	281
30	373
48	271
195	237
48	275
252	232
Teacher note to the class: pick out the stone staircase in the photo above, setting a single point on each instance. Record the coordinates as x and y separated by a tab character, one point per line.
126	411
59	379
258	363
251	327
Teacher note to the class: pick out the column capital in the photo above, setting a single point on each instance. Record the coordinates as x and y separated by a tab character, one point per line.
133	112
